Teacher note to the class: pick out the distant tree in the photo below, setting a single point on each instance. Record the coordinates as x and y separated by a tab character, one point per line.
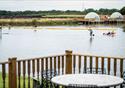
103	11
122	11
28	13
89	10
113	10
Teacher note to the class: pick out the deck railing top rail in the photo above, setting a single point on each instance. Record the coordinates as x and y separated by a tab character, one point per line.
35	58
77	54
6	62
40	57
90	55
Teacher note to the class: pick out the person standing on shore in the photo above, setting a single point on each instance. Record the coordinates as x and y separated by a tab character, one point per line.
0	31
91	32
9	27
1	27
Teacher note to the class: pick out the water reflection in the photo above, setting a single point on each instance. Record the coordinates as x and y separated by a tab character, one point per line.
90	40
0	39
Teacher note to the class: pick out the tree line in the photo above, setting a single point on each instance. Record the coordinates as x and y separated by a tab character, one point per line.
28	13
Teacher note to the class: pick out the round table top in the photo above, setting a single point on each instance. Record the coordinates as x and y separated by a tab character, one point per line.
99	80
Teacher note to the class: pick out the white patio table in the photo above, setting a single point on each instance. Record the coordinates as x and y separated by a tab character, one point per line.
99	80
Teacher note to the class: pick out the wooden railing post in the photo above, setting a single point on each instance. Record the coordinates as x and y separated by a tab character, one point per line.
121	68
9	73
4	74
68	68
12	73
85	63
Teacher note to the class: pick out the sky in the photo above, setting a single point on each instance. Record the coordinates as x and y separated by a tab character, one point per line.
21	5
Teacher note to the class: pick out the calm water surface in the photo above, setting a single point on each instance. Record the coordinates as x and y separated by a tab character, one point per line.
23	42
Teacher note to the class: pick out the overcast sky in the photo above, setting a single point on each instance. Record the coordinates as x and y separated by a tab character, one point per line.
21	5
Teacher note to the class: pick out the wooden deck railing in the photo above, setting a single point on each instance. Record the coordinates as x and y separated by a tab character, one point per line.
67	63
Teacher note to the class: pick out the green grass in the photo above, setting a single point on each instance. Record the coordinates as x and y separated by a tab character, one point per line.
38	21
1	81
21	81
64	16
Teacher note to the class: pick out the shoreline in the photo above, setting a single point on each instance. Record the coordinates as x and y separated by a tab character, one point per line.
54	22
98	27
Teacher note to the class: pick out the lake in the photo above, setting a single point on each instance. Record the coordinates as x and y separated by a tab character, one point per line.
24	42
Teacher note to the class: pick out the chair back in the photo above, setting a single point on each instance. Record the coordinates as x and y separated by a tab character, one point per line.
95	71
123	85
124	75
49	74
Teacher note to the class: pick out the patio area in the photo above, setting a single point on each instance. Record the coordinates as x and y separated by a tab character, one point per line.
39	71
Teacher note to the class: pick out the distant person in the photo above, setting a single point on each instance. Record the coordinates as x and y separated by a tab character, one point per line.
0	32
35	30
112	32
9	27
109	33
0	27
35	26
91	32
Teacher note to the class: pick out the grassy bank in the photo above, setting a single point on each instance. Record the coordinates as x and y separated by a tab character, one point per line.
38	21
50	20
21	81
64	16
